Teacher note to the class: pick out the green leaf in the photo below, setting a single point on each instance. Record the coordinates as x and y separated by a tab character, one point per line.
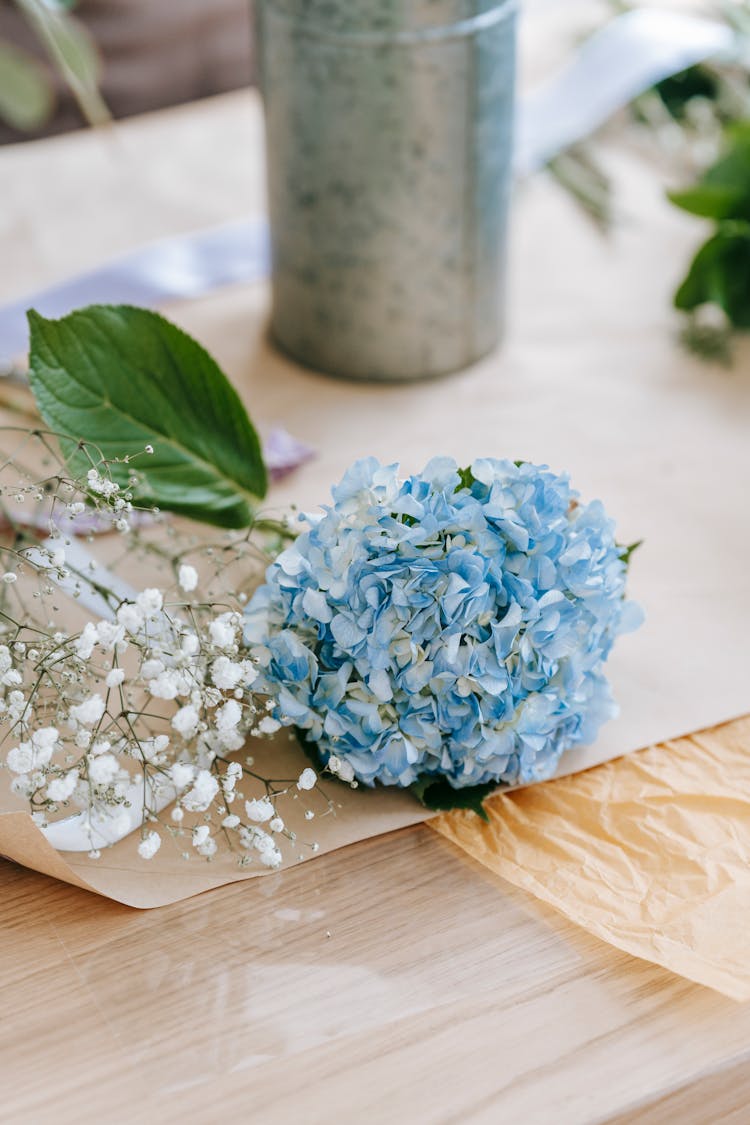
436	793
724	190
73	52
433	792
720	275
466	477
122	378
678	90
627	551
26	92
713	201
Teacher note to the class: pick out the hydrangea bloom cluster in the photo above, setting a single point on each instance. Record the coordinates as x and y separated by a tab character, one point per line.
453	624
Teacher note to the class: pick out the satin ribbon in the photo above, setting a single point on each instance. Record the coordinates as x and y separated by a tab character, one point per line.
179	268
84	831
624	59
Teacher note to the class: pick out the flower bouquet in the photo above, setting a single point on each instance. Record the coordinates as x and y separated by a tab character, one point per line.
443	633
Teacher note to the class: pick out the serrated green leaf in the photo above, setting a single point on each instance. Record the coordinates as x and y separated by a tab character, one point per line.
122	378
435	793
720	275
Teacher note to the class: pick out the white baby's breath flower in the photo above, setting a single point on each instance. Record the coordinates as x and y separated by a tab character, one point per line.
22	786
268	853
109	634
229	715
268	725
271	858
186	720
102	486
44	741
227	741
115	677
341	768
130	617
149	845
188	578
152	749
226	673
223	630
308	779
152	668
231	821
200	834
167	685
103	769
259	810
83	645
208	848
89	711
205	788
276	825
150	602
181	774
230	778
60	788
21	758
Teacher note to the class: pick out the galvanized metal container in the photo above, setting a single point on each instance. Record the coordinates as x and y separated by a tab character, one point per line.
389	137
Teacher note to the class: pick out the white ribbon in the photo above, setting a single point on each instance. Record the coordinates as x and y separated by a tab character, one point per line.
85	831
624	59
178	268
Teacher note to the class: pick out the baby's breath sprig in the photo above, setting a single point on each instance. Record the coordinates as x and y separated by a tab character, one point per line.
126	689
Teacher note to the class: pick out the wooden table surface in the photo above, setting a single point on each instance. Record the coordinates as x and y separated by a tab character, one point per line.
391	981
395	980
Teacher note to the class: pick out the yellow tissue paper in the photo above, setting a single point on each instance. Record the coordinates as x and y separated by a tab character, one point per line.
650	852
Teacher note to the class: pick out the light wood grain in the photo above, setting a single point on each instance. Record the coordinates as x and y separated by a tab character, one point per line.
723	1096
395	980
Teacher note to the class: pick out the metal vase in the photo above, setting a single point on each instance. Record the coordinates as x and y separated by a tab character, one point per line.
389	143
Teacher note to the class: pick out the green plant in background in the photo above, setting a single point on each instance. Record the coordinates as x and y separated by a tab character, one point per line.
719	275
27	91
701	117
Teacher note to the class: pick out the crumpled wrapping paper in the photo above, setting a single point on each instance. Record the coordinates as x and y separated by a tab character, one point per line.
650	852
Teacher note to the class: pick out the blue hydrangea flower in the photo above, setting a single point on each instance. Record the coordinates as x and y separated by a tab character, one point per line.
453	624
